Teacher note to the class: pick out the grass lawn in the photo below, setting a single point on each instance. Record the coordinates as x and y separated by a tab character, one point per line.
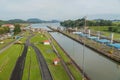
31	66
58	71
104	29
8	59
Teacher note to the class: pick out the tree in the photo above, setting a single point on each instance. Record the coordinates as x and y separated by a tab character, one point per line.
1	31
110	28
6	29
81	22
17	29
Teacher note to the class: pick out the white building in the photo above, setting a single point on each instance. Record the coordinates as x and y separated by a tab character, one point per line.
46	42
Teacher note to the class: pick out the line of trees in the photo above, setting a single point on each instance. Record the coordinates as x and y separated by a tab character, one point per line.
114	29
81	22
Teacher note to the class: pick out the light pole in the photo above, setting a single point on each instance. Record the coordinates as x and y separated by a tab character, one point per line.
83	62
84	22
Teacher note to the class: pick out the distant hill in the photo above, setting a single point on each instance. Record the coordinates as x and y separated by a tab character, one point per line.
16	21
2	22
36	20
55	21
31	20
116	20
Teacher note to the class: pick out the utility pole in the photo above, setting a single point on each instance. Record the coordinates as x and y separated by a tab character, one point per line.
83	62
85	22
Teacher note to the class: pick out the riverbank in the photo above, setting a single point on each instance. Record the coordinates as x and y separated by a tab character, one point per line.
100	48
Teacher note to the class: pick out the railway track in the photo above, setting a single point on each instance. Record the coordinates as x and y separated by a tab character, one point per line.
17	72
46	75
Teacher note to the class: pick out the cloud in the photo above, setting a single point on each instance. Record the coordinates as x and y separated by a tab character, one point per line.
60	9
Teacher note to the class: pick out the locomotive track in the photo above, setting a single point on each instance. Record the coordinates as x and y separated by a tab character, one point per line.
45	73
17	72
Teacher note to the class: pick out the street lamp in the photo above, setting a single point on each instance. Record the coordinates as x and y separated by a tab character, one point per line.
85	22
83	62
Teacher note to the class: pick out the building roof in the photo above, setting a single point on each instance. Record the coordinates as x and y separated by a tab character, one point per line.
8	25
56	59
46	41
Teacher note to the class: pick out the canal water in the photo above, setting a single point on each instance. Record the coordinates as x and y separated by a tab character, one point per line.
96	66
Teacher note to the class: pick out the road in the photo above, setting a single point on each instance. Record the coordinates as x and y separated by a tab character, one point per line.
46	75
19	67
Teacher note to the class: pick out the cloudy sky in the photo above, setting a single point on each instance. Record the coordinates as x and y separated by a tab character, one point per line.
59	9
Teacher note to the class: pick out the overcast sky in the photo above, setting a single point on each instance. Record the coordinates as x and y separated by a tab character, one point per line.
59	9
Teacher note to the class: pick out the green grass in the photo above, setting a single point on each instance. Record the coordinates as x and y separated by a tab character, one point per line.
31	61
58	71
99	28
105	31
8	59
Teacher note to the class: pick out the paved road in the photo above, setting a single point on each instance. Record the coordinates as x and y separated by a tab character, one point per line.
46	75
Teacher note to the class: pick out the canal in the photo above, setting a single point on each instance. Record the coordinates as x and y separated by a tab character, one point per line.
96	66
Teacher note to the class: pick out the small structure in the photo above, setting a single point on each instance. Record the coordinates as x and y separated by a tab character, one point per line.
56	61
111	37
17	37
9	25
70	30
98	34
83	35
92	37
77	33
18	42
46	42
1	42
89	33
